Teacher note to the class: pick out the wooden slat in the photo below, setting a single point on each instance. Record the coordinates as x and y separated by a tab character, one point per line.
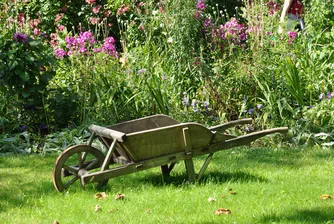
188	160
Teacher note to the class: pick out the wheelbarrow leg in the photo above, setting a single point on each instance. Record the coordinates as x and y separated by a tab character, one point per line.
165	169
165	172
189	161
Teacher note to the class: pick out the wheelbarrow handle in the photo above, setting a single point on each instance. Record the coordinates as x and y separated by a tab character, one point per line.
108	133
223	127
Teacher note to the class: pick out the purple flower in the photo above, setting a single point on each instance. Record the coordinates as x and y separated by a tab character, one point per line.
20	38
141	71
330	95
200	5
208	22
291	36
206	104
185	101
109	47
251	111
59	53
259	106
23	128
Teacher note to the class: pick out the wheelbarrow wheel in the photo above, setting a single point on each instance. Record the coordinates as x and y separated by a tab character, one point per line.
74	162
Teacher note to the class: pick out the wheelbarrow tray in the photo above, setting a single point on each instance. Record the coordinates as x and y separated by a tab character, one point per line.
160	140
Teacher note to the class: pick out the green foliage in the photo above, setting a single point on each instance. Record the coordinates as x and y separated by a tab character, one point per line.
293	81
26	67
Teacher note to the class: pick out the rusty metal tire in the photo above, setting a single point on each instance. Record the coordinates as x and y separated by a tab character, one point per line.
62	169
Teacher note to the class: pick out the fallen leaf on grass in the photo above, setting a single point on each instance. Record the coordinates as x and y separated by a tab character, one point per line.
231	191
97	208
220	211
55	222
119	196
326	196
100	195
212	200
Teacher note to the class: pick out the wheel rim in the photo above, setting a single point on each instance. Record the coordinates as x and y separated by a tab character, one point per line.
74	162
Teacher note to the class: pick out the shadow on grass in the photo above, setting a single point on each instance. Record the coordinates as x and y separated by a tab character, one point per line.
209	177
316	215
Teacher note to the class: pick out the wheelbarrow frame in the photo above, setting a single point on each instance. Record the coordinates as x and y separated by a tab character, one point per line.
195	140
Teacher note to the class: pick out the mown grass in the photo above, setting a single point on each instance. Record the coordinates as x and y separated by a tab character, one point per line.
272	186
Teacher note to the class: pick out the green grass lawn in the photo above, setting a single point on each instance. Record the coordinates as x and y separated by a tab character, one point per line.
272	186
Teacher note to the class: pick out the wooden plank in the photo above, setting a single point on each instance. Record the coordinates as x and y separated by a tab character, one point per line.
108	133
188	160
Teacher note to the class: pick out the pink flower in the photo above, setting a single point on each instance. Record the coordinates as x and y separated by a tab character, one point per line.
109	47
59	53
106	13
61	28
94	21
291	36
273	7
96	9
200	5
58	17
92	2
36	31
123	9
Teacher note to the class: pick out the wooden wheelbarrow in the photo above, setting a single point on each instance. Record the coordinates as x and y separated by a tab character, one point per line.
145	143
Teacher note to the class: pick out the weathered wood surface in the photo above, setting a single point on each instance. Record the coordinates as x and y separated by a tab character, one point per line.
187	140
166	140
142	124
243	140
223	127
106	132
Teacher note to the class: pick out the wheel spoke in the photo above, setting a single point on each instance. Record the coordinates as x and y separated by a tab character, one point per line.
92	164
70	169
71	182
80	159
84	156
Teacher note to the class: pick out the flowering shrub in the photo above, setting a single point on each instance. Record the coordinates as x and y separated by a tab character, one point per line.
85	44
